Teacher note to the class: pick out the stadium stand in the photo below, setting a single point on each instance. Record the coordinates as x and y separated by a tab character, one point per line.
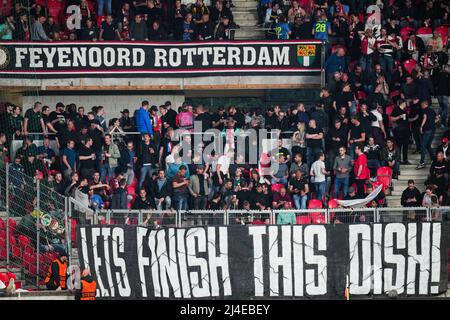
385	104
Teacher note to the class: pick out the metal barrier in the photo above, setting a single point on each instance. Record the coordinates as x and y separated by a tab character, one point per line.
188	218
35	227
352	215
439	214
201	218
236	217
406	214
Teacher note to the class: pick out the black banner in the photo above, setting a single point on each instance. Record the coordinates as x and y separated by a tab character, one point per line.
157	59
248	262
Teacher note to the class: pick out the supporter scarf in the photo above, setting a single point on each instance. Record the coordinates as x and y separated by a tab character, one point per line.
411	45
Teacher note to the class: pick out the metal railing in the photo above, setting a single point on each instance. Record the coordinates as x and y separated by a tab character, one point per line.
189	218
35	224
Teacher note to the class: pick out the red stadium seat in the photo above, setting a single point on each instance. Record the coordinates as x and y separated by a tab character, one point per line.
361	95
315	204
317	217
10	275
2	225
384	171
409	65
443	31
28	250
12	225
276	187
23	241
332	204
404	32
389	109
3	278
424	33
300	219
15	251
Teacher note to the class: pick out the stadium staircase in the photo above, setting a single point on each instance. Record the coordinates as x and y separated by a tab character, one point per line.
408	172
246	16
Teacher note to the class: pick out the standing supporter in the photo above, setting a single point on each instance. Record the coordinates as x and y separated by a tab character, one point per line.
180	189
373	153
360	170
160	190
199	188
129	157
402	131
314	136
96	135
391	157
337	62
86	157
342	167
427	129
356	135
318	176
68	160
143	123
110	156
367	51
147	158
119	201
33	121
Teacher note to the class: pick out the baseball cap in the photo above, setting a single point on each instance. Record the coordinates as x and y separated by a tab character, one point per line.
445	140
125	111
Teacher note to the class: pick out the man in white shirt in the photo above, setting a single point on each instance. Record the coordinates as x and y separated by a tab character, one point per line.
318	176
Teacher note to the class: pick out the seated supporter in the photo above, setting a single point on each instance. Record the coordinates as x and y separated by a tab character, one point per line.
299	189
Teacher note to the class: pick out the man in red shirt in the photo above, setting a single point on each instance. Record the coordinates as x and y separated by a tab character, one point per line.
360	169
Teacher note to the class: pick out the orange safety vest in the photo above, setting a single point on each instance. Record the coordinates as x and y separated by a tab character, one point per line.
88	290
62	273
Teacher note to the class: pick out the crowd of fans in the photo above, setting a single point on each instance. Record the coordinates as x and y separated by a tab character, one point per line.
107	20
381	77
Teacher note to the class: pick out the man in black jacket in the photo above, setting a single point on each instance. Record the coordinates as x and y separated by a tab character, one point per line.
119	201
160	190
411	196
143	201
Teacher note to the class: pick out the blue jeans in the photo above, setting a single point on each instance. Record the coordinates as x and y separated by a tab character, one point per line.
106	170
366	63
387	64
145	171
300	201
443	105
282	181
338	183
426	138
311	153
320	189
180	202
101	4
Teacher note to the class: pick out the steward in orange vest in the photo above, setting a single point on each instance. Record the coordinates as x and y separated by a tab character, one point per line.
57	273
88	287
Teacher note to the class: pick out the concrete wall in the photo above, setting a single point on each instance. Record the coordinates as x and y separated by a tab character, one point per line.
113	103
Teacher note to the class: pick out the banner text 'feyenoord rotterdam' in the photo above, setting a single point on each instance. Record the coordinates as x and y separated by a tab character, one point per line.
158	59
247	262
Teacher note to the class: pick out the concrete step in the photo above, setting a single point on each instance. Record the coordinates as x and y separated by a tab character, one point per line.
244	4
243	22
242	16
417	178
249	32
412	172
